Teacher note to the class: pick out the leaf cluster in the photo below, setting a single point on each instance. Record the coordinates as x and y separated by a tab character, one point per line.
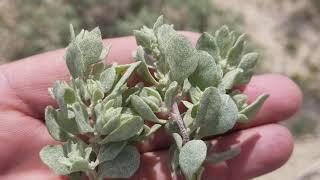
101	116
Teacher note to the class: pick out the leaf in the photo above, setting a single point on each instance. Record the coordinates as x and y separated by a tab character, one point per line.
223	40
177	54
74	61
191	157
143	70
154	105
123	166
223	156
209	110
125	77
206	43
127	129
240	100
230	79
248	63
158	23
164	35
235	53
110	151
63	94
251	110
107	78
153	129
217	113
207	72
144	110
227	117
82	118
178	139
90	45
50	154
170	94
109	121
67	122
188	119
55	131
195	94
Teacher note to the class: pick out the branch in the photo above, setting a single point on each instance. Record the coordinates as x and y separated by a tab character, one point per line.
175	115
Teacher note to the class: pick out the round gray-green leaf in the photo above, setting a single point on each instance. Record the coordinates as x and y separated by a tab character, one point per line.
50	155
123	166
191	157
177	53
54	129
207	72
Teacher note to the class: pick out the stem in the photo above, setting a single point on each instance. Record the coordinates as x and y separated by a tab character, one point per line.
175	115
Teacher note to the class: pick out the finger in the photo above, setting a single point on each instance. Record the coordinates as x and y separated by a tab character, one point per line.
31	77
284	101
285	98
263	149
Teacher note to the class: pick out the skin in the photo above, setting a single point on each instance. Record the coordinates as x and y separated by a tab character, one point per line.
23	87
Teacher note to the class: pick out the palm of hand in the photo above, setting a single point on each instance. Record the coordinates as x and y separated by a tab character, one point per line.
23	88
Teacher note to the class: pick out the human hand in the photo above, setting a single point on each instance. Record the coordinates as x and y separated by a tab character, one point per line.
23	88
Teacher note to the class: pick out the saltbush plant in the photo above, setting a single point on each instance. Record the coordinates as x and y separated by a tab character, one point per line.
101	117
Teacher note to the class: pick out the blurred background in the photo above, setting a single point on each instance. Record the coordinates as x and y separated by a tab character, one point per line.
285	32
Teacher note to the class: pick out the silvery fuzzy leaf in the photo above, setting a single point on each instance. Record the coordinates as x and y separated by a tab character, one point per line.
158	23
174	160
251	110
208	111
154	105
145	37
206	43
223	156
96	71
72	33
242	118
228	115
105	52
54	129
218	120
108	121
177	54
81	88
235	53
90	45
151	92
230	79
125	77
188	119
67	122
107	78
144	110
123	166
178	139
170	94
74	61
195	94
143	70
64	95
50	154
110	151
164	35
81	118
191	157
127	129
223	40
207	73
240	100
248	63
95	90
